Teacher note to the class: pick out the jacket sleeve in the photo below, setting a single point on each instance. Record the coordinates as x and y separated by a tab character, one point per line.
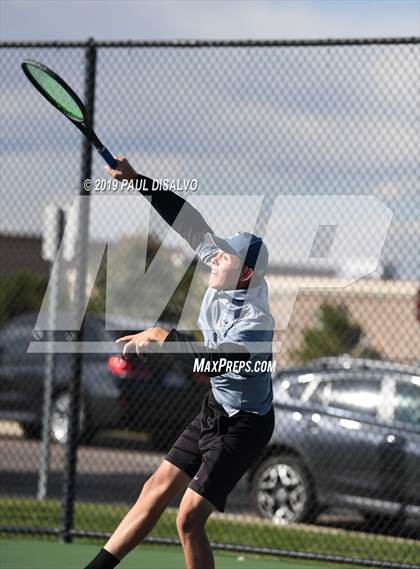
180	215
187	351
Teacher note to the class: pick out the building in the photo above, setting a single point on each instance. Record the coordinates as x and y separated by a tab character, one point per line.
386	310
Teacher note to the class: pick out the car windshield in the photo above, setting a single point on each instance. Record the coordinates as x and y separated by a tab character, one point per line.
297	385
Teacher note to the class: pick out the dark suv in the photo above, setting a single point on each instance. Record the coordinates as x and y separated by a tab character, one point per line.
347	434
156	395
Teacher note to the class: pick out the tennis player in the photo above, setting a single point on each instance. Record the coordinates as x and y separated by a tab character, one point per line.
236	419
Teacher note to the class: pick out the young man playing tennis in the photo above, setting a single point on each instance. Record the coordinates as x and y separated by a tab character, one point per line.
236	420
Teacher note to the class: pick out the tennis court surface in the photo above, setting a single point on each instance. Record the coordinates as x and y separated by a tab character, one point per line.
32	554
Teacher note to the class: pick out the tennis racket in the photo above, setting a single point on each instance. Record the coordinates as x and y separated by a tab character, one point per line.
59	94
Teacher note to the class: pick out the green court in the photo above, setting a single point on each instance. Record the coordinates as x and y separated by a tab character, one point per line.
32	554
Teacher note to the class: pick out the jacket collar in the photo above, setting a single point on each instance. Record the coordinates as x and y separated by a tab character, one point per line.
239	296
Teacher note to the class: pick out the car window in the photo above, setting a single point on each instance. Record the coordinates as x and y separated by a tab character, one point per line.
15	338
319	393
358	395
407	403
297	385
296	390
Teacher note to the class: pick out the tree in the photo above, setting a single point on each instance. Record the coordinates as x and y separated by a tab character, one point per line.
129	251
335	333
21	292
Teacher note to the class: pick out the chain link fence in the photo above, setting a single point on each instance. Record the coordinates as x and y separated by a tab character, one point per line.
316	146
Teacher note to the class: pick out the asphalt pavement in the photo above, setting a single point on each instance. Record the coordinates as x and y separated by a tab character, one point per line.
113	468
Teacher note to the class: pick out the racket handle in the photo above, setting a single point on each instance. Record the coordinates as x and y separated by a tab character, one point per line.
107	156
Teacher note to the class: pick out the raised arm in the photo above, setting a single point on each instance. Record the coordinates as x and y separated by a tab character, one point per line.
176	211
174	342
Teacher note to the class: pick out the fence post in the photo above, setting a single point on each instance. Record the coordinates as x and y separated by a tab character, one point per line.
44	463
70	462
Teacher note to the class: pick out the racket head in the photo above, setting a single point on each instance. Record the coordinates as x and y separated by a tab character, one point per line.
55	90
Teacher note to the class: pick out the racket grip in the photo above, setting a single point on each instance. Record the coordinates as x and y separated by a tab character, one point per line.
107	156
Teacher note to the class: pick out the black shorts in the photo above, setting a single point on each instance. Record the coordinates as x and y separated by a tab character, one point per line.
215	450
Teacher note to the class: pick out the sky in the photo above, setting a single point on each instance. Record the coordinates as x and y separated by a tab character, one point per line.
332	144
216	19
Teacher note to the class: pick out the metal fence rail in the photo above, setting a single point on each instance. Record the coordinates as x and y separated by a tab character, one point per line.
284	138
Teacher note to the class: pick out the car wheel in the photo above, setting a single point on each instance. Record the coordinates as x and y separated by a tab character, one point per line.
60	418
281	490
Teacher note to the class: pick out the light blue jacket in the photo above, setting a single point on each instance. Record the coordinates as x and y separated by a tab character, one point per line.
242	317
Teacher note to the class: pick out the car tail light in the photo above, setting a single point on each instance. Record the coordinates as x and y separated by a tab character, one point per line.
119	366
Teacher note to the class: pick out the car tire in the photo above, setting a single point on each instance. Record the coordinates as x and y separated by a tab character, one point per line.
282	490
60	412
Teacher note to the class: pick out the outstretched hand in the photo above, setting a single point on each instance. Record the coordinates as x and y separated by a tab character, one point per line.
141	340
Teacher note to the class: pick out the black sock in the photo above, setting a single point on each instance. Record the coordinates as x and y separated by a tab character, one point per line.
104	560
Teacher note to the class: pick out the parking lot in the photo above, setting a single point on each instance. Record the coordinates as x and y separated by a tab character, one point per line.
121	461
100	466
